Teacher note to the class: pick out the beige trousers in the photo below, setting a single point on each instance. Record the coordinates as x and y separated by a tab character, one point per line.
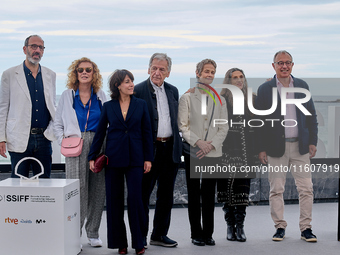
298	165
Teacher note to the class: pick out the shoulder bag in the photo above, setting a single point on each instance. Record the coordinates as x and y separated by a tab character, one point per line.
73	146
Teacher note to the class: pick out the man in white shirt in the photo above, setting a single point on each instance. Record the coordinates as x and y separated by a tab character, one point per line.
162	101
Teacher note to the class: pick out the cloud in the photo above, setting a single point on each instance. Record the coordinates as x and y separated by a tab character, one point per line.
12	22
187	35
160	46
129	55
6	31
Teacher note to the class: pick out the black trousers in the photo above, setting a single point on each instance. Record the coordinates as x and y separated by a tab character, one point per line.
116	230
201	201
163	172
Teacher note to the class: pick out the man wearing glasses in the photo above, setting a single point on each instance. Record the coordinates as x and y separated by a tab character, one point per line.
288	146
27	110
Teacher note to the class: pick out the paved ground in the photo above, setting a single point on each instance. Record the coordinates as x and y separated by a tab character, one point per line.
259	230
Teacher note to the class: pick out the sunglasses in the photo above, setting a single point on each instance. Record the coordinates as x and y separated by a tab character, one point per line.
87	69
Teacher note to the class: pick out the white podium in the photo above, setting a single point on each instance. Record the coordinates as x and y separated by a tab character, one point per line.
39	217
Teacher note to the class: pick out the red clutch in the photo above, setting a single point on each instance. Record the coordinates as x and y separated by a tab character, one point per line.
100	162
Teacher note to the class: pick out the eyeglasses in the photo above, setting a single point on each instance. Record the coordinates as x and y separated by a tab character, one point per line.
281	63
34	46
87	69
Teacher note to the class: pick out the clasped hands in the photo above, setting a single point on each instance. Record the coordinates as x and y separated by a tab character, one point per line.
205	148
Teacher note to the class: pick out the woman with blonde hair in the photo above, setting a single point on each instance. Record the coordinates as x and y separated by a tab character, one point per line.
205	141
77	115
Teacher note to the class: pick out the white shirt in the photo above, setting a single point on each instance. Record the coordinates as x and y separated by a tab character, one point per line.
164	121
290	132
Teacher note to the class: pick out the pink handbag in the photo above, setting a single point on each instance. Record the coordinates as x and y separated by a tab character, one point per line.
71	146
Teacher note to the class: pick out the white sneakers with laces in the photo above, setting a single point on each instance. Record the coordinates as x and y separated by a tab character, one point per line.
95	242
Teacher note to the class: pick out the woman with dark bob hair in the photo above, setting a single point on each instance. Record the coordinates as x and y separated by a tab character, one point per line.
126	124
77	115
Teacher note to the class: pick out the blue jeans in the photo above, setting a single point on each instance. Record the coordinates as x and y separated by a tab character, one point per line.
38	147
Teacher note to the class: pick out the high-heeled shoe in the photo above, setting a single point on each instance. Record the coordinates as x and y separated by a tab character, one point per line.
140	251
122	251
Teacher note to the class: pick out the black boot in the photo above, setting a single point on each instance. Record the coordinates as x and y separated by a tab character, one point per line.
231	233
230	219
240	214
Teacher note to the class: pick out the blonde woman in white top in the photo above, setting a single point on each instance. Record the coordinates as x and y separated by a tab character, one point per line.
83	95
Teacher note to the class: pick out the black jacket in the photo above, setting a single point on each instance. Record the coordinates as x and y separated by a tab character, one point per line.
272	139
144	90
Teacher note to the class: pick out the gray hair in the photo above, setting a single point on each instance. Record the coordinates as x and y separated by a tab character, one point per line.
226	93
28	38
282	52
200	65
227	80
161	56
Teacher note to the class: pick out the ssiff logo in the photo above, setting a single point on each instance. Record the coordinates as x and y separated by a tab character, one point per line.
17	198
71	194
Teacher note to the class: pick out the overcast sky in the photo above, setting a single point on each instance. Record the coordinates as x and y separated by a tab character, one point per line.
124	34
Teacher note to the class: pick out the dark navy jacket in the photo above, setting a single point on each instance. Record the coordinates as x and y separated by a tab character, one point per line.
129	142
272	139
144	90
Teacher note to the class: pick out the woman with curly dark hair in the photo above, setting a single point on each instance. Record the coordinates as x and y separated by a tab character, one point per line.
77	115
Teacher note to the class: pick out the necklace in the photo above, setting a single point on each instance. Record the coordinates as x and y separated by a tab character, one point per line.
86	101
124	106
124	114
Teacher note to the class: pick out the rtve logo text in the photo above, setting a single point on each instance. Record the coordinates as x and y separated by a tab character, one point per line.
15	221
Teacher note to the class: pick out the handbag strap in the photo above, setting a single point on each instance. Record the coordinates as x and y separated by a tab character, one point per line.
212	114
88	112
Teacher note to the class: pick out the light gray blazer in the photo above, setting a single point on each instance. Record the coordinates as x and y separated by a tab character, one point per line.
16	107
194	125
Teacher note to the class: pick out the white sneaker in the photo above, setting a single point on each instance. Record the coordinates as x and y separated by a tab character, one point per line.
95	242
